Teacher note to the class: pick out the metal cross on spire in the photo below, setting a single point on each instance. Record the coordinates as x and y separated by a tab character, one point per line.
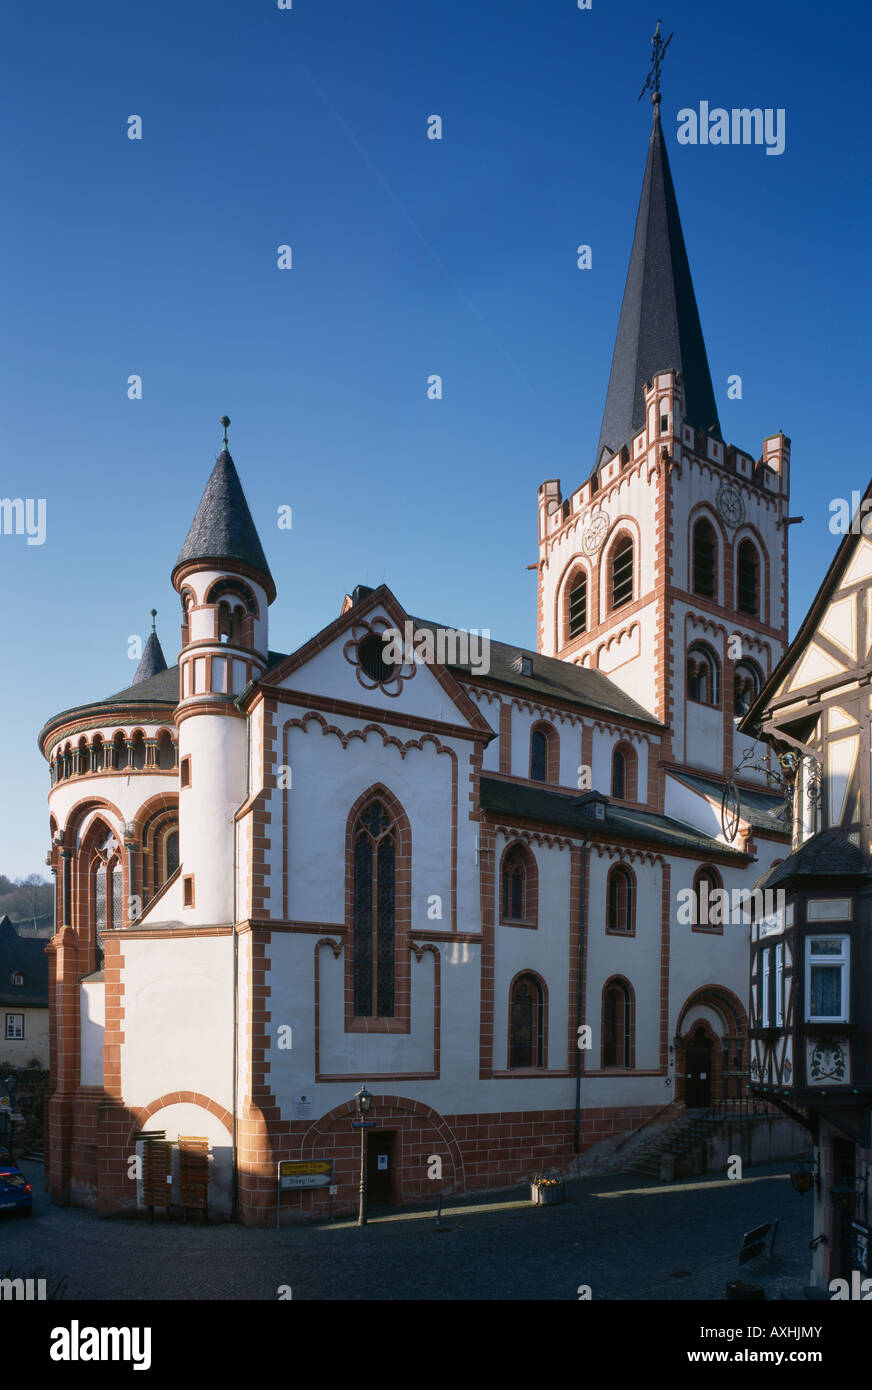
652	81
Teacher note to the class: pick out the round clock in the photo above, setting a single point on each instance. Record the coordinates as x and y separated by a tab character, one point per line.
730	504
730	811
594	532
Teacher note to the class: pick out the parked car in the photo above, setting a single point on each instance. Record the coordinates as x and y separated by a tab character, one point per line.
15	1193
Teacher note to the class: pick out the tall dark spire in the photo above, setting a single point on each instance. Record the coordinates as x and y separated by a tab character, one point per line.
223	529
659	327
152	661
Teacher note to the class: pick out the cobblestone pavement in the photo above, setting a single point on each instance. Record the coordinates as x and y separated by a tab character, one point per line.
624	1239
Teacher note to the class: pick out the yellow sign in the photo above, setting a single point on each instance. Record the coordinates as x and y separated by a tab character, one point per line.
291	1169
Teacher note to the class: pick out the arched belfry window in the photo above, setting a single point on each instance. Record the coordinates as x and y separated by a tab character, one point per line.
705	552
703	675
375	851
621	573
747	684
576	606
748	579
527	1023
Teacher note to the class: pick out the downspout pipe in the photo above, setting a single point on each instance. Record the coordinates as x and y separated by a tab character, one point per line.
579	1010
234	1202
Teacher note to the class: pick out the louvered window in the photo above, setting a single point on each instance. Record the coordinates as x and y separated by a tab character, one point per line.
704	559
622	573
578	607
748	568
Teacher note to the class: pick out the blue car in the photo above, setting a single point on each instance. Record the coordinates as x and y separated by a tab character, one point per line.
15	1193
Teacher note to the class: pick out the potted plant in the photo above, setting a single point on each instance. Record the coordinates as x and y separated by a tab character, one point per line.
547	1189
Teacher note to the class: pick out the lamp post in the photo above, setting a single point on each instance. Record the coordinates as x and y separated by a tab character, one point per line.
363	1100
10	1083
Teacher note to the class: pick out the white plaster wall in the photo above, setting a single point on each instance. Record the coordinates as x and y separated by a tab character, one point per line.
127	791
202	625
544	951
92	1018
568	728
330	672
178	1018
328	778
636	958
216	747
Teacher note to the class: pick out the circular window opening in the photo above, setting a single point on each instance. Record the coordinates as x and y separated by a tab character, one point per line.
370	654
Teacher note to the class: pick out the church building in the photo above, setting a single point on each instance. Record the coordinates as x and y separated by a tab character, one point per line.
461	882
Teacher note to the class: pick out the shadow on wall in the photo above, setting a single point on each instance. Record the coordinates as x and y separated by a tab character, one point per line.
195	1121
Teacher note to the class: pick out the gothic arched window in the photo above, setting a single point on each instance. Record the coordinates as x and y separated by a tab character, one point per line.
708	909
576	610
747	684
514	884
375	847
748	575
107	895
621	901
621	576
527	1023
705	552
703	675
617	1030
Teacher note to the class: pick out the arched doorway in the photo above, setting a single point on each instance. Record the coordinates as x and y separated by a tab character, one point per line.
698	1070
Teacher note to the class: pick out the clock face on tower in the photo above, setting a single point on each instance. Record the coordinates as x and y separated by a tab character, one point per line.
594	532
730	504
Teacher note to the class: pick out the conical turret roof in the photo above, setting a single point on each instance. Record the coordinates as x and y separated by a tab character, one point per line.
223	529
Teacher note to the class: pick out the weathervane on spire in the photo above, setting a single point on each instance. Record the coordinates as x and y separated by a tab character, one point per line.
225	421
652	81
153	616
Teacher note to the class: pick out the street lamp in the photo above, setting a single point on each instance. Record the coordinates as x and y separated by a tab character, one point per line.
363	1100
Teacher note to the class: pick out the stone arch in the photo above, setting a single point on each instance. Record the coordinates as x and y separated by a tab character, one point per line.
323	1126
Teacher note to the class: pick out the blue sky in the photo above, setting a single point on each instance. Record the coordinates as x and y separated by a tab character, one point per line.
307	127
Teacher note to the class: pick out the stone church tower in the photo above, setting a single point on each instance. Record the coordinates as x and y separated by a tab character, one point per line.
666	569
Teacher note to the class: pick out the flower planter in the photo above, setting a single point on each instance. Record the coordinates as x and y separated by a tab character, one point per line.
547	1189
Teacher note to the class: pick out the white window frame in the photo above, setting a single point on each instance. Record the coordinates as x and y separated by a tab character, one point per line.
11	1034
843	959
765	967
779	985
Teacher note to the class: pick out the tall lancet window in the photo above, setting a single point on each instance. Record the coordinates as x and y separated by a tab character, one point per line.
704	559
375	843
107	899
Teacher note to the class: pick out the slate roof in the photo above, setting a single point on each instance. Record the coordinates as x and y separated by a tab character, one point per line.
577	813
659	326
162	689
153	660
28	955
826	855
758	808
223	528
557	680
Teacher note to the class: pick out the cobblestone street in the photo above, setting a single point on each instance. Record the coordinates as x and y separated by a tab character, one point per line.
625	1240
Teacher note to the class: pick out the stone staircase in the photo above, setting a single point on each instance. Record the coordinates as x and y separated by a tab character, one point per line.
678	1142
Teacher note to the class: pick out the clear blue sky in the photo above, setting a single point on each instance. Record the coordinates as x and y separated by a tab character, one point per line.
411	256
